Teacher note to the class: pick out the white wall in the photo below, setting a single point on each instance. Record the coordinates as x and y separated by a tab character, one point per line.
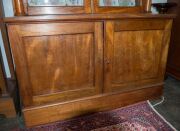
8	8
6	66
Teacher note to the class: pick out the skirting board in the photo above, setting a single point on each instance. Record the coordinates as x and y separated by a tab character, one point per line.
61	111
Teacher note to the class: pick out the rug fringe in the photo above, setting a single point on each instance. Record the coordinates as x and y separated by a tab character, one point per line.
161	116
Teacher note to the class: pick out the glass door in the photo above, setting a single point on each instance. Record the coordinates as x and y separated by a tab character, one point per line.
118	3
40	7
55	2
117	6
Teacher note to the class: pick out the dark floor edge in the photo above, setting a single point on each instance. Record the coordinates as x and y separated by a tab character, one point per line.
161	116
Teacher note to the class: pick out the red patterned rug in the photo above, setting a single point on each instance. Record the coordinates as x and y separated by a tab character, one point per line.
138	117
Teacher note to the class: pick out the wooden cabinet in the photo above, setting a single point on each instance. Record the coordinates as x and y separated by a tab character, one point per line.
133	53
69	68
58	61
70	65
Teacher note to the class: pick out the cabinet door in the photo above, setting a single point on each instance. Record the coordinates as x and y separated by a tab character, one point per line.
118	6
44	7
57	61
135	53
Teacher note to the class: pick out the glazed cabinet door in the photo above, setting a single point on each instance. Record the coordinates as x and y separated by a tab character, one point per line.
57	62
54	7
135	53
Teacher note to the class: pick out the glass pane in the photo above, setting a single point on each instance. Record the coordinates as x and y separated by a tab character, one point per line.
55	2
121	3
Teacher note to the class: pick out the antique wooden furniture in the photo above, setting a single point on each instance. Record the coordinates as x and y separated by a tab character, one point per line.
69	65
173	66
7	107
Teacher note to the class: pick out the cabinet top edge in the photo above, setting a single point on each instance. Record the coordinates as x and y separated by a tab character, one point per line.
88	17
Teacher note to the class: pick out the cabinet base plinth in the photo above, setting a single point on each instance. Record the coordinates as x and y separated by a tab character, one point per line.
61	111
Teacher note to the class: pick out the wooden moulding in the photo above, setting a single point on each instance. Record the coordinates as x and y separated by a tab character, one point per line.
85	17
60	111
19	8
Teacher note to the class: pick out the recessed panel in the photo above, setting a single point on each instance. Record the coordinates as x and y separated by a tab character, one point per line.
60	63
136	55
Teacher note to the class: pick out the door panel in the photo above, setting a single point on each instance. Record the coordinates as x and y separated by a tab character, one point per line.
134	54
58	65
62	59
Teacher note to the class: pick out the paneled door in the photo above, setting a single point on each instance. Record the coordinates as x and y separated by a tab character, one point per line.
57	62
135	53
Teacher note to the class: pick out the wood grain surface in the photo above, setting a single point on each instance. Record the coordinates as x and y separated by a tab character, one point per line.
57	62
135	53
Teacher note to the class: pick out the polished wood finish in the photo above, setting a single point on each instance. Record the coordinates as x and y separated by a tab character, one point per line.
146	4
85	17
60	62
60	111
133	54
173	66
69	65
72	67
19	7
